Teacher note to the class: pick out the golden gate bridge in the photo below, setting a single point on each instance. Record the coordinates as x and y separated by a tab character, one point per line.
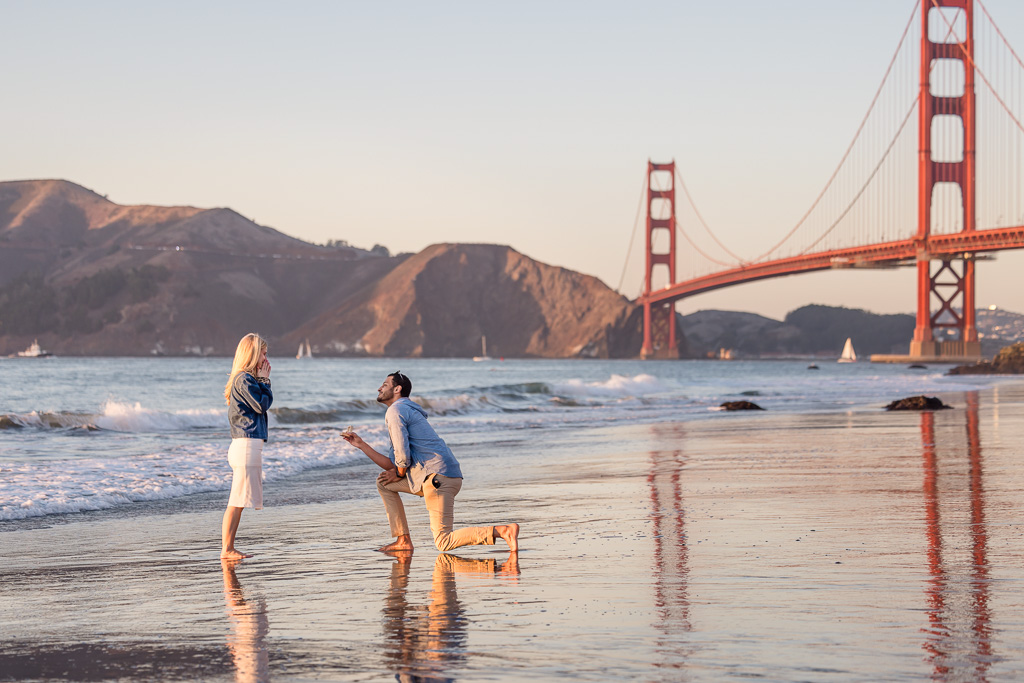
938	200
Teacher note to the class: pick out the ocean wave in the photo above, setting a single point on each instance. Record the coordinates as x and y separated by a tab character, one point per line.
46	487
117	417
616	387
343	410
505	399
44	420
133	417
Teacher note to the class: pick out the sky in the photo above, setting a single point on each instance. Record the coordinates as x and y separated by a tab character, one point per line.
527	123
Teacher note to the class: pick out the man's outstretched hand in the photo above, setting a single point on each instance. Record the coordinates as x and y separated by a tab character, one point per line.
354	439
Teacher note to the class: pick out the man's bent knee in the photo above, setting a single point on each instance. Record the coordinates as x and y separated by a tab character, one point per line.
444	542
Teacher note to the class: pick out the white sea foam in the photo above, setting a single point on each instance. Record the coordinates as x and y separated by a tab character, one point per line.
133	417
618	386
46	487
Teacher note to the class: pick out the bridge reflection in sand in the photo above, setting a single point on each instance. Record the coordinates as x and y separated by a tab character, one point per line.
959	634
671	570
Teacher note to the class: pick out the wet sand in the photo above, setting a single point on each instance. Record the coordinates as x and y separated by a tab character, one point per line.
861	546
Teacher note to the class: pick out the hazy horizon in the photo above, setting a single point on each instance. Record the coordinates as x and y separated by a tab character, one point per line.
529	125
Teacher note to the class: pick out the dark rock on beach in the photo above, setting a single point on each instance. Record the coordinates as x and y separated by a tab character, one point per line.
741	405
1009	361
918	403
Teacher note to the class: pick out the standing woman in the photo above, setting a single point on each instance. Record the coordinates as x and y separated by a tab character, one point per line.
249	397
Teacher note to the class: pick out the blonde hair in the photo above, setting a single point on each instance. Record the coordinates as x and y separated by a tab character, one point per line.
247	358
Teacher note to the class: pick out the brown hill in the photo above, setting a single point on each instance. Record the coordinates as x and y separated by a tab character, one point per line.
440	302
90	277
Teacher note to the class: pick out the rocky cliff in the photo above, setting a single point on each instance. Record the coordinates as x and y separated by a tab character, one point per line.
444	300
91	277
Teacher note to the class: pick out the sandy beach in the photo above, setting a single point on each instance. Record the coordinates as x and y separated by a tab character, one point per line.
861	546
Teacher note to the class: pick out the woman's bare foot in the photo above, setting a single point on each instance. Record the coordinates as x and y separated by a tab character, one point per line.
232	554
402	544
510	534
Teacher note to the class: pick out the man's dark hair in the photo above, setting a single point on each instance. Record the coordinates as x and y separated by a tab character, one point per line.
402	381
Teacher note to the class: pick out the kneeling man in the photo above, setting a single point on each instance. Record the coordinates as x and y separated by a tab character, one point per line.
421	463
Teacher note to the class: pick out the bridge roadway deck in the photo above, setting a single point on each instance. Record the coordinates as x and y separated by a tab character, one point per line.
888	253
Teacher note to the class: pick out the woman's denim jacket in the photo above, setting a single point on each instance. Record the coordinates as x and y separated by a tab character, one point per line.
248	405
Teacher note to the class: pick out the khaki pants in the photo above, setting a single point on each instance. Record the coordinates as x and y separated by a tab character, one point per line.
441	506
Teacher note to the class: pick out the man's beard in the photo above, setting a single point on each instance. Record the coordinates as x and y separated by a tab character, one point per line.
381	398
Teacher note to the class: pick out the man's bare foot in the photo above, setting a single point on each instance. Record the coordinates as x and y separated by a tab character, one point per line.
402	557
509	567
232	554
402	544
510	534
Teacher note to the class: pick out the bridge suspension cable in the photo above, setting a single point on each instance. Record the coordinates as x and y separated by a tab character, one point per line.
1000	33
978	69
632	238
849	148
700	218
740	261
863	187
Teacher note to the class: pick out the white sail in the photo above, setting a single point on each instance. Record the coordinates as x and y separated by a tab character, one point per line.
304	350
849	355
483	349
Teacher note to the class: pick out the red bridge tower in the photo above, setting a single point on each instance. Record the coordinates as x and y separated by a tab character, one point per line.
660	317
947	285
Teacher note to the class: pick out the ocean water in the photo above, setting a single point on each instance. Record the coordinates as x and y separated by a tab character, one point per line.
86	434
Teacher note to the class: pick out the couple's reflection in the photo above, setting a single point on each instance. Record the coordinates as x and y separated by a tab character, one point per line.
247	639
427	639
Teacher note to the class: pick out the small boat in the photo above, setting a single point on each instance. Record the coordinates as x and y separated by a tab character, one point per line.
34	351
849	355
812	366
304	350
483	350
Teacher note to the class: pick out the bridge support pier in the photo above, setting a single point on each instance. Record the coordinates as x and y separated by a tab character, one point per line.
948	287
660	331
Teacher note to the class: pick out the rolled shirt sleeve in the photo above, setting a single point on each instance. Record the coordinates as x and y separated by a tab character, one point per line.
399	434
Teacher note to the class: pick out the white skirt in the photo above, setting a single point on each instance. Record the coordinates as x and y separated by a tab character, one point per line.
246	459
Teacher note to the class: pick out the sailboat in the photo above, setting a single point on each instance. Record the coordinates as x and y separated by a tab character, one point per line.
304	350
483	350
849	355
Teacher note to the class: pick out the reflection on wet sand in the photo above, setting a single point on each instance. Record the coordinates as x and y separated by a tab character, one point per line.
959	641
425	642
671	569
247	640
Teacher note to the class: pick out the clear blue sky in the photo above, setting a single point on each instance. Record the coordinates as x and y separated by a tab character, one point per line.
526	123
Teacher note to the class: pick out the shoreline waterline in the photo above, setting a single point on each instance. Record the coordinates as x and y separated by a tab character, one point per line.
836	546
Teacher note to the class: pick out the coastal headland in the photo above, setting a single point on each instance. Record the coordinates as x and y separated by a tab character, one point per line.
85	276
